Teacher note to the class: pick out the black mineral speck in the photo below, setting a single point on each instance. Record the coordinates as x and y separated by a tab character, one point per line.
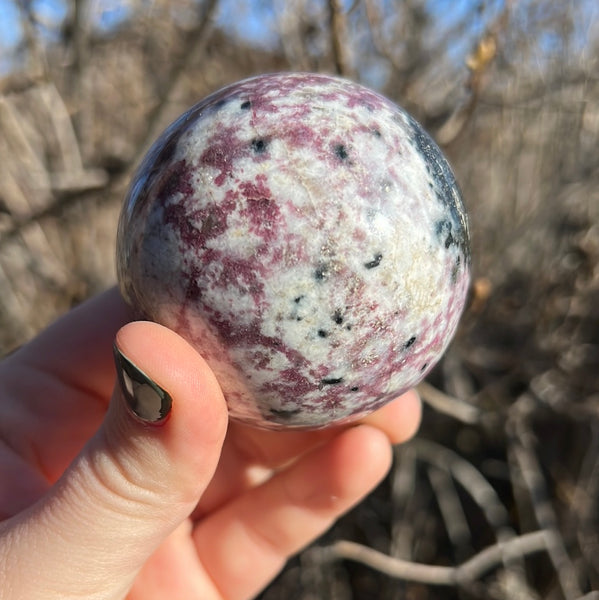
323	333
354	389
443	230
245	105
375	262
284	414
298	299
331	380
455	270
338	317
341	152
423	367
321	272
259	146
410	342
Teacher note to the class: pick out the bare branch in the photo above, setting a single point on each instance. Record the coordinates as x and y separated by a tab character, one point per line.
583	513
480	490
521	447
468	572
478	63
448	405
195	41
339	41
403	484
452	510
289	21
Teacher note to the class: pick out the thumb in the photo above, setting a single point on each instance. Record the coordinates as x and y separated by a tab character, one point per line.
135	481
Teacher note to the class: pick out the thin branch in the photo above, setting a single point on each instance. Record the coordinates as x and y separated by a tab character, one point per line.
30	169
448	405
194	44
478	63
61	127
467	572
340	46
403	484
452	511
411	59
521	447
472	481
289	21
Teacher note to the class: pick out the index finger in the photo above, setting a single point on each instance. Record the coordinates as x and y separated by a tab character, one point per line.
77	348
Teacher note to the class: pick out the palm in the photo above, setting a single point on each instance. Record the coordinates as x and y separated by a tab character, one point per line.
54	396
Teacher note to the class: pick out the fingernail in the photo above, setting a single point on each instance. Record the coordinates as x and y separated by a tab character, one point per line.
146	399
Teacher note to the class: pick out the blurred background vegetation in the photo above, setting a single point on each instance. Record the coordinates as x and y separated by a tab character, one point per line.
509	445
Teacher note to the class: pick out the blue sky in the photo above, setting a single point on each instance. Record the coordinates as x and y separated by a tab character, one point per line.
109	13
10	30
254	24
252	19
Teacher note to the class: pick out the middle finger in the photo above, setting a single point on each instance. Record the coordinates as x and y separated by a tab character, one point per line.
250	455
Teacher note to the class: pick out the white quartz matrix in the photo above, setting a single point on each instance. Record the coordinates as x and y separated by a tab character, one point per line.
308	238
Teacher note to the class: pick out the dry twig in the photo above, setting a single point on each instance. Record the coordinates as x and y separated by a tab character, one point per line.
467	572
340	46
529	472
477	486
448	405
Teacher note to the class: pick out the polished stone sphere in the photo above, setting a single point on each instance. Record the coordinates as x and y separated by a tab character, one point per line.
308	238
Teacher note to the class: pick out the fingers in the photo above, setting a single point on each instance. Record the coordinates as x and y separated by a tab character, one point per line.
400	419
251	453
132	484
77	347
70	362
246	543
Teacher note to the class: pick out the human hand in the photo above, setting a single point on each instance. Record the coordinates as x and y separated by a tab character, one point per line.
95	503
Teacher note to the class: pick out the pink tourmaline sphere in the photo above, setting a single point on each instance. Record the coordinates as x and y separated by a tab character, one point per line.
308	238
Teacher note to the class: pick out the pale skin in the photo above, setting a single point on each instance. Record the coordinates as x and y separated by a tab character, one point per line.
96	504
